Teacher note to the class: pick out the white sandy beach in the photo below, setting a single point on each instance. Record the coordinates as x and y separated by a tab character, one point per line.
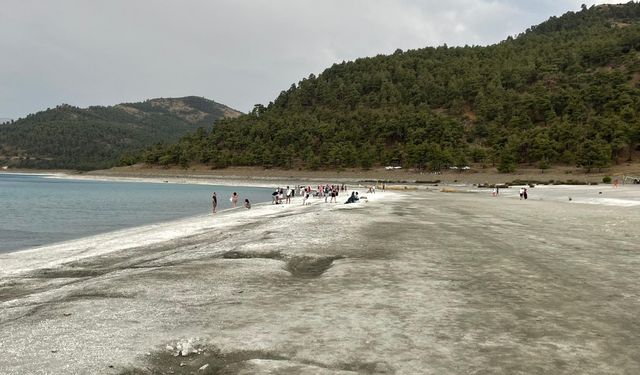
409	282
14	263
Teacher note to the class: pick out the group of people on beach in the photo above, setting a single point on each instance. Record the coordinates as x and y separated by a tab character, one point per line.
329	192
233	199
524	193
281	195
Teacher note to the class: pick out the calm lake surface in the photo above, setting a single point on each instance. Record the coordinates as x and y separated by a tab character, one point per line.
38	210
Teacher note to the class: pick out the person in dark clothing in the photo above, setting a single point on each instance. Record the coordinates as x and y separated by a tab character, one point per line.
352	199
214	201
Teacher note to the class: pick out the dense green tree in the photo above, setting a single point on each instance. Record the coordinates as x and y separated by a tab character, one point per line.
102	137
594	154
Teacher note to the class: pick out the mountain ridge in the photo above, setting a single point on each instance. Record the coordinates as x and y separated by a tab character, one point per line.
97	136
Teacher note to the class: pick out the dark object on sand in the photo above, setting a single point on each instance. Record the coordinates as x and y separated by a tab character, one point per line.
352	199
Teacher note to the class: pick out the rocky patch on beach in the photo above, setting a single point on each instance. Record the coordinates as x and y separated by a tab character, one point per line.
197	356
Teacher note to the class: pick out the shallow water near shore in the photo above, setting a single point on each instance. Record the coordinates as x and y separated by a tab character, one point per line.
36	210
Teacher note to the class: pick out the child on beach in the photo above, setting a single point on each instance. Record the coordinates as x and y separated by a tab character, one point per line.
214	201
247	204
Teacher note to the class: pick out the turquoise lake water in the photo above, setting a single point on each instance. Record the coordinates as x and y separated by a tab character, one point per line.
38	210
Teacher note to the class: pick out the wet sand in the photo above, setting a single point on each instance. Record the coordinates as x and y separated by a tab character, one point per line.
411	282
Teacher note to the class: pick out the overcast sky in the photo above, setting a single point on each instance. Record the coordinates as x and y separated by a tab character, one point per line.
236	52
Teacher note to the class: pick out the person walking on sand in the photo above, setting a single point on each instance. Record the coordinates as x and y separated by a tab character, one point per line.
525	194
521	193
247	204
306	198
234	199
289	192
214	201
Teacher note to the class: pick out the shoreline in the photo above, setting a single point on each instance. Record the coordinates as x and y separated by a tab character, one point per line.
401	179
477	175
16	262
194	179
54	254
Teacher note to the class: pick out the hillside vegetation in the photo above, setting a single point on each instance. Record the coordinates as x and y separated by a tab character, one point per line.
563	92
98	137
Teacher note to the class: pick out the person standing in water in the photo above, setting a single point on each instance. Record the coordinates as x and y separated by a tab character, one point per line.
214	201
234	199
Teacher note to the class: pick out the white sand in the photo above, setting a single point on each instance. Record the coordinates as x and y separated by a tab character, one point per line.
605	195
418	282
49	256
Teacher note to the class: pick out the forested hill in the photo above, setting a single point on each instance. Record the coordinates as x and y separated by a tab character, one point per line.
97	137
565	91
